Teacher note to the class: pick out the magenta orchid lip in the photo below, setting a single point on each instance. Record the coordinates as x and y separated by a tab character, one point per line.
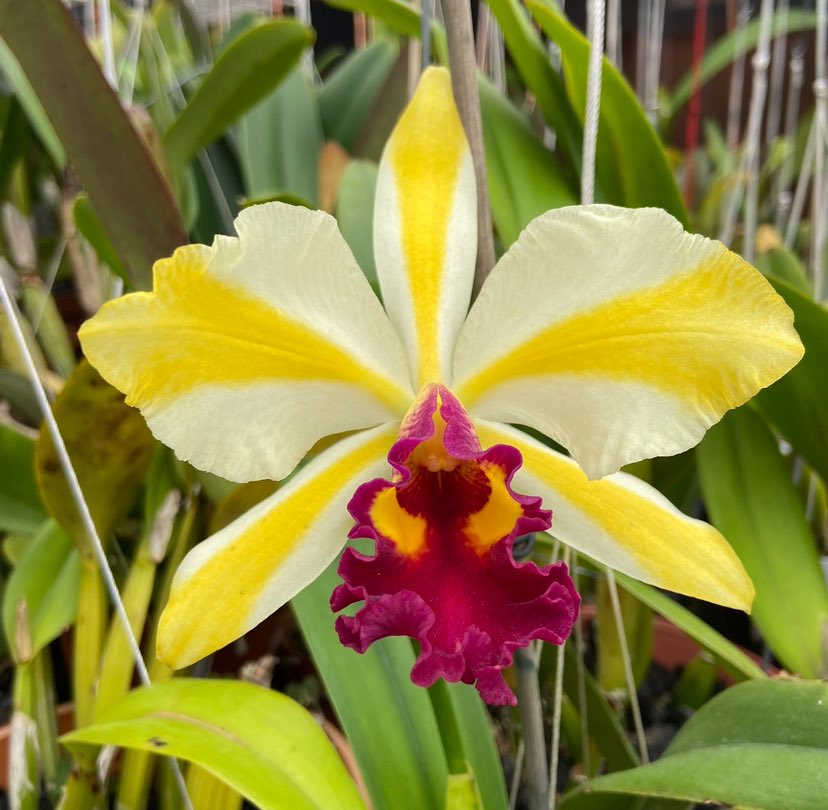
443	571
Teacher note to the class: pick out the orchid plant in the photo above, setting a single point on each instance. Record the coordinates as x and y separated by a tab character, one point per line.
610	331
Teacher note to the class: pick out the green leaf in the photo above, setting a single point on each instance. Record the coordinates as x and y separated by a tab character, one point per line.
103	146
738	664
525	178
632	166
752	501
352	90
388	721
730	47
21	509
15	140
247	70
532	62
110	446
784	265
89	225
47	580
261	743
796	404
355	213
28	100
477	736
762	744
280	139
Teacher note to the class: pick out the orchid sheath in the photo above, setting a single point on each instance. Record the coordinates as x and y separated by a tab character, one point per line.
610	331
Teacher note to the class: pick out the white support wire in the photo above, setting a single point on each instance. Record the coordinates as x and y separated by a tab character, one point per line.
642	43
761	63
783	192
749	162
798	204
105	19
614	32
652	72
777	81
737	80
818	203
628	672
595	24
82	507
557	703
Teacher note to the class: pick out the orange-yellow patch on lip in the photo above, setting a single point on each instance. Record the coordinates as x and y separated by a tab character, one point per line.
498	516
407	531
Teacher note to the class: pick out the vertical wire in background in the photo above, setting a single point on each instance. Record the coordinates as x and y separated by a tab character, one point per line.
818	204
748	164
737	77
655	40
758	95
82	507
595	24
614	32
426	16
105	29
641	44
691	140
777	80
783	180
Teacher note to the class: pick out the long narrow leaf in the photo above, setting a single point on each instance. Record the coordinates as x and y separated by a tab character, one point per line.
132	199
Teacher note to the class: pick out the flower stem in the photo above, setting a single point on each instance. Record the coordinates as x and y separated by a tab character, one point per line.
449	730
457	15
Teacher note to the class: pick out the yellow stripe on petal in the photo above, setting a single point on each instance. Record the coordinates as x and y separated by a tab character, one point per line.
246	353
425	227
239	576
624	523
648	340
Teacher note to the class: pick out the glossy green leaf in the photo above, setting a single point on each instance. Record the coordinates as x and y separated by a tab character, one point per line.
738	664
105	150
751	500
796	404
400	16
632	166
247	70
532	62
352	90
760	745
355	213
47	580
261	743
735	44
21	508
388	721
525	178
110	446
280	139
14	140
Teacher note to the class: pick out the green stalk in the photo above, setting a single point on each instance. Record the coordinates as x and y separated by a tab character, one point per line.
136	772
46	719
24	777
89	631
40	308
83	791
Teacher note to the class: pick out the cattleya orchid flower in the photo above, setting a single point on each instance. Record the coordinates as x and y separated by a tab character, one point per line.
611	331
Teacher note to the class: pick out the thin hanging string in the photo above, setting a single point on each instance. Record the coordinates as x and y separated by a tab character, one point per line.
82	507
593	100
777	80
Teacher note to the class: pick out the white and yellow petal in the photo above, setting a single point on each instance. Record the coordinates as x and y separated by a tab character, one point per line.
619	335
249	351
233	580
425	227
626	524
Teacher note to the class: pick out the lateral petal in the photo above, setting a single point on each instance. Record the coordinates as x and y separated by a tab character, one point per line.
619	335
233	580
628	525
425	227
249	351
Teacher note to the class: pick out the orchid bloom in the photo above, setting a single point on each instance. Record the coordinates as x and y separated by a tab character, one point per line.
611	331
